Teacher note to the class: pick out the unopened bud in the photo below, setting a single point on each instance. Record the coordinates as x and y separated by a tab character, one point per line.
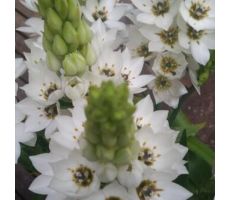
43	5
48	34
84	33
54	21
74	64
59	46
123	156
46	44
62	8
74	12
70	34
89	54
53	62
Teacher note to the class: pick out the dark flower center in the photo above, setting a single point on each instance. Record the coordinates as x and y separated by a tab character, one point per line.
161	8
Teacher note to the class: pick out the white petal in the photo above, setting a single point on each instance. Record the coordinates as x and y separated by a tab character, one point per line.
40	185
146	18
200	52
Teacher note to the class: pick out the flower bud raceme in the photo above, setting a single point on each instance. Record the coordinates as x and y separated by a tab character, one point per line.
65	35
109	129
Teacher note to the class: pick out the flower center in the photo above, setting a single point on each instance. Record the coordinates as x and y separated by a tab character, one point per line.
169	37
146	155
51	111
198	11
161	8
147	189
169	65
82	176
193	34
108	71
162	83
143	50
113	198
100	14
46	93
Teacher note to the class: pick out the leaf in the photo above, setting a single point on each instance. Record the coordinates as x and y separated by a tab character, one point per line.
201	149
181	122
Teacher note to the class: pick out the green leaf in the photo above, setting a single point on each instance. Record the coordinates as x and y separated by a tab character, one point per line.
201	149
181	122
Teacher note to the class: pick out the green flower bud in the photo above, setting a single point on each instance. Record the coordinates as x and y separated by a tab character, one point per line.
104	154
123	156
61	7
53	62
70	34
74	64
84	33
89	54
54	21
108	141
43	5
46	44
74	12
59	46
89	152
47	33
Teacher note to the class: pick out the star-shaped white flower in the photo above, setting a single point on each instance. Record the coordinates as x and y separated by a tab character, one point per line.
162	40
157	186
121	67
200	14
146	116
158	12
166	90
198	42
30	4
102	37
72	177
170	65
160	152
137	43
44	85
70	128
39	116
108	11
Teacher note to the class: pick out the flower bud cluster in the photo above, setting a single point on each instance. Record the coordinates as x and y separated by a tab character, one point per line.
109	129
67	36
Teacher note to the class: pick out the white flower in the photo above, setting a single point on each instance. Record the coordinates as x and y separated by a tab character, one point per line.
160	152
44	85
30	4
102	37
160	39
158	12
200	14
72	178
146	116
70	128
138	44
39	116
120	67
170	65
198	42
158	186
107	10
76	88
113	191
166	90
34	26
192	69
130	175
21	136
